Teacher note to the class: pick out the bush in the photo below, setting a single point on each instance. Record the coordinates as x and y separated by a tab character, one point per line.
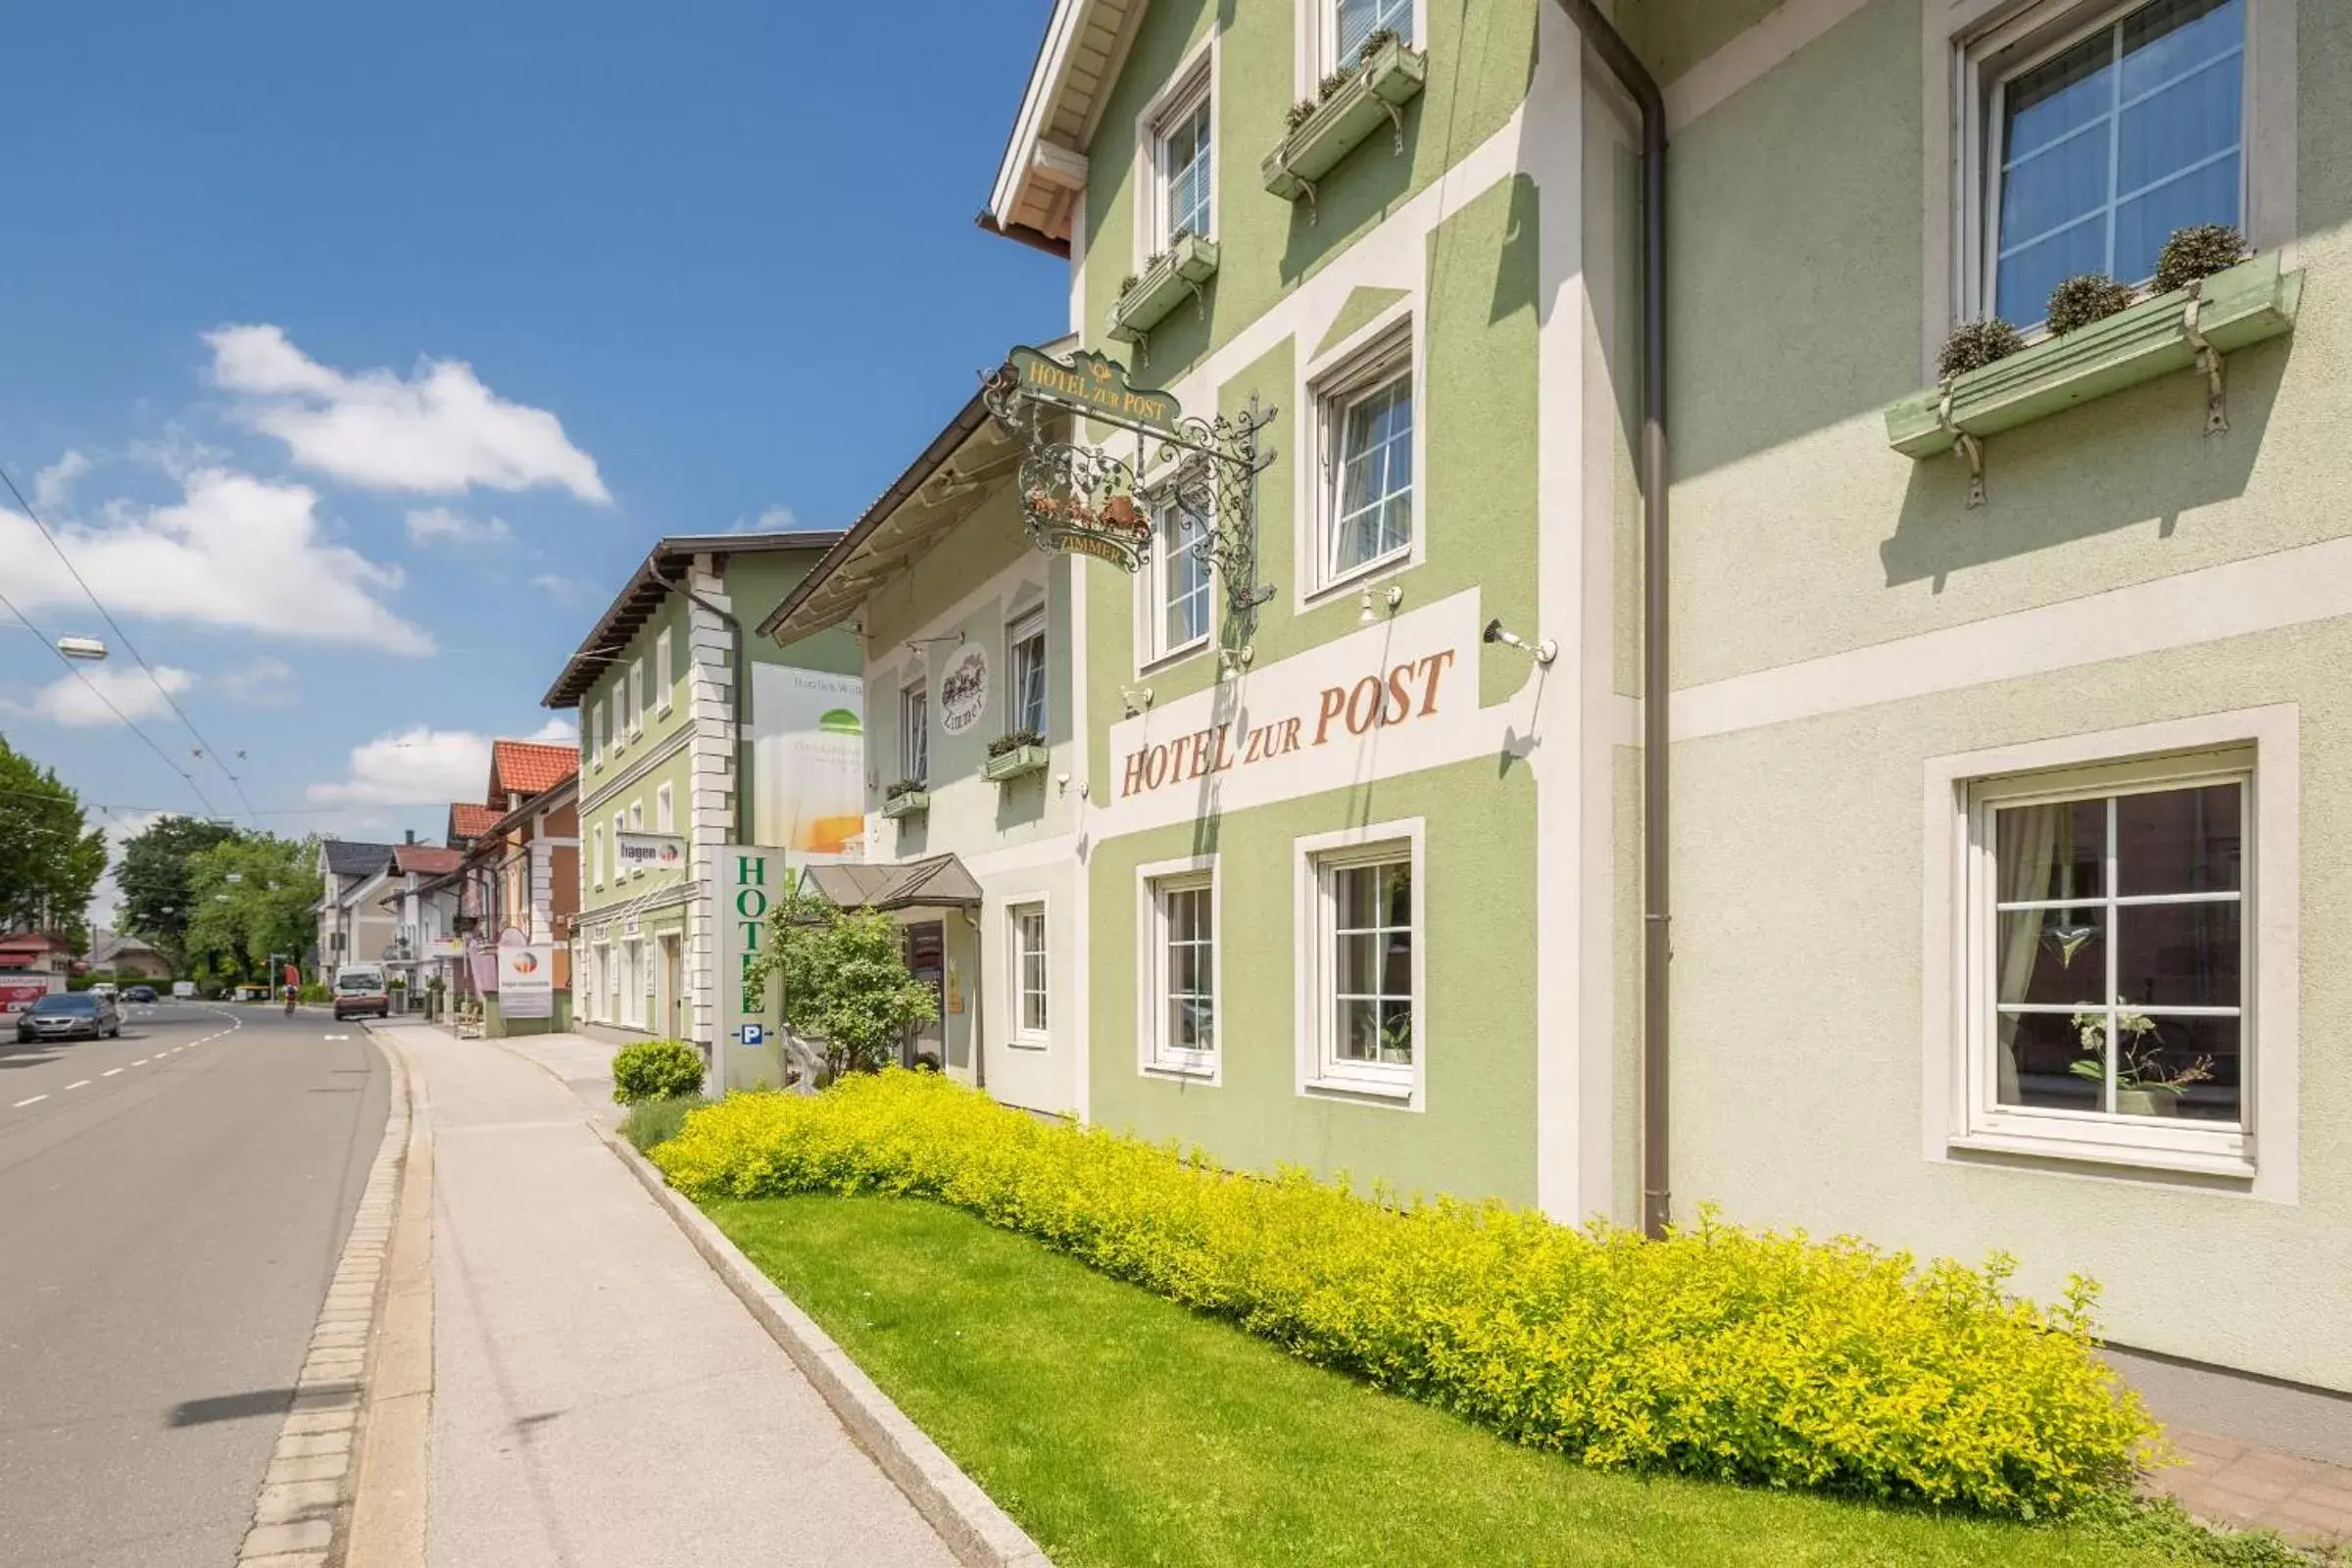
655	1069
1766	1359
1974	345
657	1121
314	993
2198	251
2092	297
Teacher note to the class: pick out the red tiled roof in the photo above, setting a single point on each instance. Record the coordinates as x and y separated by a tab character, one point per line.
34	942
469	821
427	859
525	767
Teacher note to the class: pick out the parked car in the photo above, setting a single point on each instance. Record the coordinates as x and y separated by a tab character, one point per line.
359	988
139	994
69	1015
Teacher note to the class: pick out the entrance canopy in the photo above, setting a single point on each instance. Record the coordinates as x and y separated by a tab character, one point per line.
938	881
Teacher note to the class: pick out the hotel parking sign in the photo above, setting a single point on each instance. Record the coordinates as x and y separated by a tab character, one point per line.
746	882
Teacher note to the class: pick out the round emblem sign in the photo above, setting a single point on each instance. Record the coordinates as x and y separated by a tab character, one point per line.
964	690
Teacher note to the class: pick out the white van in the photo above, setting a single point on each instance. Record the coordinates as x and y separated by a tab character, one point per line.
181	990
359	989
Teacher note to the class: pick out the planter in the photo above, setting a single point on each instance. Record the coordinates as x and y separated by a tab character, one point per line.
2146	1102
1176	277
1014	764
2250	302
1388	79
914	802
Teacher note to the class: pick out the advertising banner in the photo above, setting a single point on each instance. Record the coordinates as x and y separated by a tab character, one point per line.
16	995
746	881
807	760
653	851
527	981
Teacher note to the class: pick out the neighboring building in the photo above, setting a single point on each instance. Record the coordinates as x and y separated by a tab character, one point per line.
519	879
2003	840
418	888
654	683
968	637
118	956
351	931
32	963
468	822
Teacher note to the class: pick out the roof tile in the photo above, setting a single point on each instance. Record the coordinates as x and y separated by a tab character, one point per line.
526	768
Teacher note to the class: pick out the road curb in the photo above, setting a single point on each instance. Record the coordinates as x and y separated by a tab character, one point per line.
302	1518
980	1534
388	1506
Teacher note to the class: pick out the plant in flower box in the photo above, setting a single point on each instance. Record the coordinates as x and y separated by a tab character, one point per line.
1013	753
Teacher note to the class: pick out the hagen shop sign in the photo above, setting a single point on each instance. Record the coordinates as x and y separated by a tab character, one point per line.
654	852
1091	384
1397	694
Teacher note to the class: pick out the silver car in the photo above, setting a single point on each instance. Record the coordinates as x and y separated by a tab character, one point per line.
69	1015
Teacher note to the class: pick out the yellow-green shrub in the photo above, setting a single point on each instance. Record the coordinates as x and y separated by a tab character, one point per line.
1764	1358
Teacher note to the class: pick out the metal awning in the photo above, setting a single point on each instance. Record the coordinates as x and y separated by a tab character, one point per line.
936	881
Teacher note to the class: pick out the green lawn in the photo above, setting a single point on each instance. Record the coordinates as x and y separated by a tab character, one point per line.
1123	1429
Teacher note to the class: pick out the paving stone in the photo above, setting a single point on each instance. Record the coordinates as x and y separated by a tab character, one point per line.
285	1559
290	1501
316	1467
305	1534
308	1445
302	1422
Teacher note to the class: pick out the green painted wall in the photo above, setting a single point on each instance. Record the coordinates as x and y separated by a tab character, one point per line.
1481	56
1475	1138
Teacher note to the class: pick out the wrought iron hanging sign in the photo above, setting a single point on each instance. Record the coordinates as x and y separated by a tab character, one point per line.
1085	500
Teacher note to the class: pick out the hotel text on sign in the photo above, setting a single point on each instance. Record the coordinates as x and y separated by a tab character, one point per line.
1400	695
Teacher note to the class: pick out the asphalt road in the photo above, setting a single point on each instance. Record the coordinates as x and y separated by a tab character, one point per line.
172	1205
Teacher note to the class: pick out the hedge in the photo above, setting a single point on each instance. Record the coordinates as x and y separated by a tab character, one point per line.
655	1069
1763	1358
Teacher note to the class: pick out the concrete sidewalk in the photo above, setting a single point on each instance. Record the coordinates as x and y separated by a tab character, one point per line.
600	1398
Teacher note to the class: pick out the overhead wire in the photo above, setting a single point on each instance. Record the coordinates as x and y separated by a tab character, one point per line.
203	746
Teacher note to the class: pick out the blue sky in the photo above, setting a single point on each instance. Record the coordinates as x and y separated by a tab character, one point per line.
357	357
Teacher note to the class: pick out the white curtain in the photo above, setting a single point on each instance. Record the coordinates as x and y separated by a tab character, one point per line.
2041	832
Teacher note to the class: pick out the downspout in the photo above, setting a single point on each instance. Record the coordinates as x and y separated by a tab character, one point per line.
1657	946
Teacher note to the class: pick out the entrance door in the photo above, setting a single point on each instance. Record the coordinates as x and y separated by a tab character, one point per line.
926	960
673	991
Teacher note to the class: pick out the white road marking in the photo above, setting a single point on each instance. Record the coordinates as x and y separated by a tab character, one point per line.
110	1072
334	1036
85	1084
141	1062
34	1100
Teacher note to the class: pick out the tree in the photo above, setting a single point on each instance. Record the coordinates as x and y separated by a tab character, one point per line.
153	876
50	856
253	895
843	975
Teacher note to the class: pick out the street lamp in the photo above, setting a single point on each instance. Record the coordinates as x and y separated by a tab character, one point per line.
87	648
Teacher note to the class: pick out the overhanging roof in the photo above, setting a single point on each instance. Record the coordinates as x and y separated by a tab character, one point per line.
938	881
939	490
672	557
1044	168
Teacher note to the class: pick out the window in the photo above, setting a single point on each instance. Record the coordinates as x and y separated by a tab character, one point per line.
664	677
637	698
2109	953
596	856
1361	1006
596	750
613	715
632	995
645	985
611	987
666	813
637	815
620	826
1028	921
1364	502
1341	27
1181	950
1026	638
915	732
2101	142
1182	166
1179	574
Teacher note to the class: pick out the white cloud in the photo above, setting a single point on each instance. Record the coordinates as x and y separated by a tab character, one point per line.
417	766
560	730
53	485
80	698
431	525
775	519
440	431
235	551
565	590
266	682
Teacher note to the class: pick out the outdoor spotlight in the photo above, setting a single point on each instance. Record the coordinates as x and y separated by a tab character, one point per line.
1365	616
1134	698
1544	652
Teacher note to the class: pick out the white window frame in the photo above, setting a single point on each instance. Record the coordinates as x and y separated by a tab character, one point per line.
914	730
1154	1055
596	855
665	809
1318	41
1152	649
1321	1073
637	696
663	677
649	982
596	745
613	1012
1192	84
612	724
1018	630
637	825
1960	1119
1366	364
601	962
1964	42
1017	1030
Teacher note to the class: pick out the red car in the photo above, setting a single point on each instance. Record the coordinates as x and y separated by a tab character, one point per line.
359	990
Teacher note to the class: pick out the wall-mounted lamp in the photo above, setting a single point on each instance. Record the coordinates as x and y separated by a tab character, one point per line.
1134	698
1544	652
1393	598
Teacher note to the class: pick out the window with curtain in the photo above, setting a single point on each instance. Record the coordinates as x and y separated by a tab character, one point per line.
2119	952
1371	508
1355	21
1027	639
915	732
1180	575
1184	965
1028	921
1368	1009
1184	167
2111	142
